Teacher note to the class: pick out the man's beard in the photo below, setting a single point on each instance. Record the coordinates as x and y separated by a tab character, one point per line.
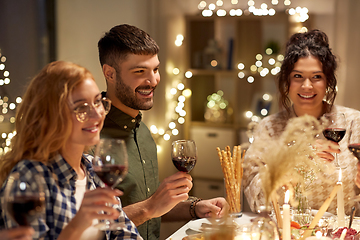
127	97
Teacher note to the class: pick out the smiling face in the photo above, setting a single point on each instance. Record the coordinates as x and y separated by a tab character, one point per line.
86	133
307	86
136	80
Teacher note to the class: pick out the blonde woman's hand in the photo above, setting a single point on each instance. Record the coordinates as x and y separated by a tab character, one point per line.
19	233
96	204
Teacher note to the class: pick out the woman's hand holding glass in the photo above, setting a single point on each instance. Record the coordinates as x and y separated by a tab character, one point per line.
95	206
111	165
335	131
325	149
19	233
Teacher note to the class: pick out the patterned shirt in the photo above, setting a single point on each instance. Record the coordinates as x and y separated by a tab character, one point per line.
142	179
318	190
60	199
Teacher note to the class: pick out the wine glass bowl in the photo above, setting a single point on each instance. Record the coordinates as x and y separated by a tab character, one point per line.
110	163
24	200
336	129
184	155
354	146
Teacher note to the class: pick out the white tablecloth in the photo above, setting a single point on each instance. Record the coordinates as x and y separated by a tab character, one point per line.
194	225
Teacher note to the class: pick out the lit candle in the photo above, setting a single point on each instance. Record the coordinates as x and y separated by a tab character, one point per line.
286	217
340	203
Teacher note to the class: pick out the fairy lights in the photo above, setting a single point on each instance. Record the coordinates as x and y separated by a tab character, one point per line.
7	108
222	8
176	97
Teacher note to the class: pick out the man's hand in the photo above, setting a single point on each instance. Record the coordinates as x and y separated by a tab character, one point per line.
171	191
324	148
215	207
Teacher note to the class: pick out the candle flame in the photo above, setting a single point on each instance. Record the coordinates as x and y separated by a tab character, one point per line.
287	197
340	175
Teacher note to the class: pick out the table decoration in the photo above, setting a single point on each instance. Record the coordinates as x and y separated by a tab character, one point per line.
233	171
322	209
286	234
264	225
280	158
343	234
318	236
276	210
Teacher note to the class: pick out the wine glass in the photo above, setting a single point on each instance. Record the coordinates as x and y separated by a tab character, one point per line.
335	131
110	164
24	199
184	155
354	146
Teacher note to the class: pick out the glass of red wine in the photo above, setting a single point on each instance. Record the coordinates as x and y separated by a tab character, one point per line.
354	146
24	200
110	164
184	155
335	131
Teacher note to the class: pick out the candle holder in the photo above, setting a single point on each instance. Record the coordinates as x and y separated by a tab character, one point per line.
265	226
224	230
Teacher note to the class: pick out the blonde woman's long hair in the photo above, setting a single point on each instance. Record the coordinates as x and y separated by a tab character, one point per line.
43	121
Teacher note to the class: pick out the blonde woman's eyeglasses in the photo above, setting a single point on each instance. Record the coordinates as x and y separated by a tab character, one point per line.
83	111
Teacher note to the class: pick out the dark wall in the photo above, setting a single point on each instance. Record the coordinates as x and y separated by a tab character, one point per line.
26	39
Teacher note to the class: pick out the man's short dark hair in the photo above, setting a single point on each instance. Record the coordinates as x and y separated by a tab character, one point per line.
123	39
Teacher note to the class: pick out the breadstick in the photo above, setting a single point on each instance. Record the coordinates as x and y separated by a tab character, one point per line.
231	164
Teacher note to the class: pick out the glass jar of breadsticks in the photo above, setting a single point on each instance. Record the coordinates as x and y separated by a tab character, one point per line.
232	167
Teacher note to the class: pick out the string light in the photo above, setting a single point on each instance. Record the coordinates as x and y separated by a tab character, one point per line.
178	94
7	108
207	10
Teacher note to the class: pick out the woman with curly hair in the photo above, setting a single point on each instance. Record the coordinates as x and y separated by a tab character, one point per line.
307	85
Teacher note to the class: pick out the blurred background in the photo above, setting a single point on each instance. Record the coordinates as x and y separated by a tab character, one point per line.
219	60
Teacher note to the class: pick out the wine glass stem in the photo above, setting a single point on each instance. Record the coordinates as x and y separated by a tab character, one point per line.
337	165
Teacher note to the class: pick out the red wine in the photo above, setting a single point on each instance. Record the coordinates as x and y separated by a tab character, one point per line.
111	174
184	164
25	209
355	149
334	134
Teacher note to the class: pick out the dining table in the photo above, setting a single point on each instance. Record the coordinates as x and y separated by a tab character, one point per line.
195	226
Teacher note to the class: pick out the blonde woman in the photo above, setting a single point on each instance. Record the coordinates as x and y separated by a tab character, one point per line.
61	114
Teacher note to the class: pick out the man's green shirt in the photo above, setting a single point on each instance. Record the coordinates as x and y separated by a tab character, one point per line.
142	179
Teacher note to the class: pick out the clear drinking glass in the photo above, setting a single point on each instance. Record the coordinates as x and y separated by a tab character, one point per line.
111	166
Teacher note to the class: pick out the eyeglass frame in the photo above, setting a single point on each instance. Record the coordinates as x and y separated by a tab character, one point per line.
90	107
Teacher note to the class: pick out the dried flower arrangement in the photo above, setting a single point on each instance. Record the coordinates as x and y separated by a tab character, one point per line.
280	159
